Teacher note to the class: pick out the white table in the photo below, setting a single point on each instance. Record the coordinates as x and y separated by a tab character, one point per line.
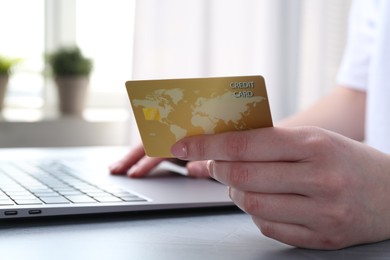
192	234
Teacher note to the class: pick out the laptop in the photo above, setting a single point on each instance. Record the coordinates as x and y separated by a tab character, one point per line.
70	181
37	182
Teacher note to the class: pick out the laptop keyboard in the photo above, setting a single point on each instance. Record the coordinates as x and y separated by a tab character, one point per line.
53	182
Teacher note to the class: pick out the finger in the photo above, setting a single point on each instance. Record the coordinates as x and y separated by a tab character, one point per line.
265	144
286	208
143	166
198	169
127	161
298	235
267	177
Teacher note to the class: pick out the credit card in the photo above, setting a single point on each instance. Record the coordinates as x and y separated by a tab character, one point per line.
170	109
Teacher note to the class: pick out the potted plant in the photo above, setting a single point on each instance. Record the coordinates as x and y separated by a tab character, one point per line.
6	65
71	71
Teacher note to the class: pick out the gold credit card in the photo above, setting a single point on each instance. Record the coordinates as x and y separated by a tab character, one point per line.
168	110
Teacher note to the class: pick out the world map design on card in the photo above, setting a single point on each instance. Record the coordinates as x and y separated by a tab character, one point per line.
168	110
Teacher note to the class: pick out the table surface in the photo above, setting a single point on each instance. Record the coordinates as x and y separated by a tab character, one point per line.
182	234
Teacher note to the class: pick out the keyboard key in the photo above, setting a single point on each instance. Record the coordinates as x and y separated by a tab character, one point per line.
123	193
132	198
6	202
13	189
64	188
55	200
92	190
23	197
46	194
28	201
98	194
19	193
37	190
3	196
80	199
108	199
71	192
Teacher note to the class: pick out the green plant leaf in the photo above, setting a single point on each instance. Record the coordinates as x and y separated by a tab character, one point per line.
69	61
7	64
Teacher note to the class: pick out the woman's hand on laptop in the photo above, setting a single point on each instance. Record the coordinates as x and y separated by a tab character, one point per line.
136	164
304	186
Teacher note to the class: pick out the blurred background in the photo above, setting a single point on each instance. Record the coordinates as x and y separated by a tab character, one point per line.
296	45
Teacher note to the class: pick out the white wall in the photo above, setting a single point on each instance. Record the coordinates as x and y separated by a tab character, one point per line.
295	44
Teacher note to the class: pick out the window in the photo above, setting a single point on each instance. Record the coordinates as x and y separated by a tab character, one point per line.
102	29
22	29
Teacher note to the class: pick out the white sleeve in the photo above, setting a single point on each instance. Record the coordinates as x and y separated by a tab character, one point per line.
353	71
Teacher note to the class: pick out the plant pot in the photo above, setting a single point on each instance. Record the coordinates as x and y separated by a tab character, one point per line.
72	92
3	89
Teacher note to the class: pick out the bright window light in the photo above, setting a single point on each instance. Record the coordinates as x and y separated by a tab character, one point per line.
103	30
22	36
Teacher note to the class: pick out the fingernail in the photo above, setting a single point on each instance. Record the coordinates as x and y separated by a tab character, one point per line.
115	167
132	170
179	150
210	167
